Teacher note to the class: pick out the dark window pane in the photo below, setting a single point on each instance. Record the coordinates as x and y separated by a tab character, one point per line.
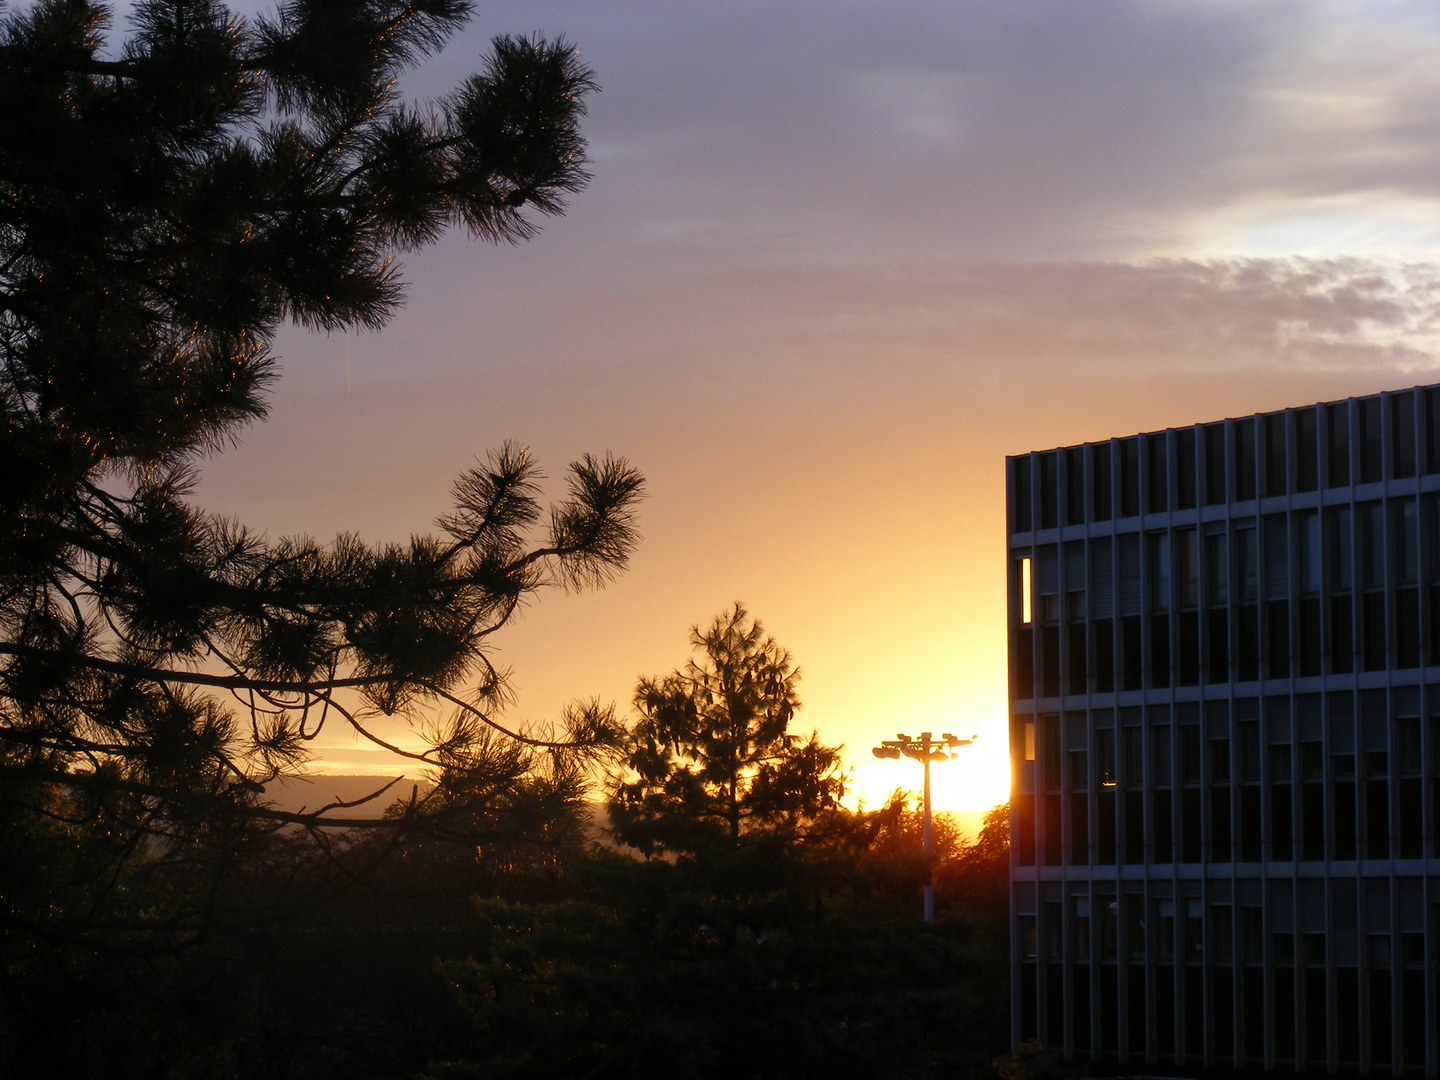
1129	477
1220	824
1275	454
1407	628
1247	646
1047	490
1218	643
1342	644
1075	485
1075	684
1104	665
1024	663
1160	650
1163	827
1402	434
1022	495
1370	441
1131	666
1214	464
1308	636
1100	481
1277	618
1339	456
1158	464
1185	468
1344	827
1244	459
1432	430
1306	451
1282	831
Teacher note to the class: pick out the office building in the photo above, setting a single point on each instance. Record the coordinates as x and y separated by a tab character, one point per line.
1225	738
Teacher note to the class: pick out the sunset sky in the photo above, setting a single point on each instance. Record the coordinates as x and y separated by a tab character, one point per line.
837	261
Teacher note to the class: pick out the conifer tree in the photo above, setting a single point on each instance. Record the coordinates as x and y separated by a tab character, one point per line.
711	762
168	198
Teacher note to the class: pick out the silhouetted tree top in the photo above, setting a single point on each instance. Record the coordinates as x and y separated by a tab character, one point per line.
711	760
166	201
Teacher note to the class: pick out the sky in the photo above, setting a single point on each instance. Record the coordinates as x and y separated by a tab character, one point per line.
836	262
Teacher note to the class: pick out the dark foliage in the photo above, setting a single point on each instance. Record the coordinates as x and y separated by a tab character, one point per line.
167	200
758	961
711	761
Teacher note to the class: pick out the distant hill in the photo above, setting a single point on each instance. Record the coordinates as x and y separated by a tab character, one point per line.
299	794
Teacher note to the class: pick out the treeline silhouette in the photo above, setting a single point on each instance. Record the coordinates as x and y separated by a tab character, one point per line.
721	915
558	958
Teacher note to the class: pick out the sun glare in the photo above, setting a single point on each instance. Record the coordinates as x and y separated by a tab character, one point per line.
976	778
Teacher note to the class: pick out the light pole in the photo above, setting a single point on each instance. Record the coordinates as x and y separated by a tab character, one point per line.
924	750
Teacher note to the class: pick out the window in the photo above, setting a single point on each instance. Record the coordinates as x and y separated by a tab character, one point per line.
1214	464
1402	434
1075	485
1338	418
1371	471
1129	476
1027	615
1275	454
1186	544
1165	929
1159	572
1052	916
1432	430
1252	935
1277	558
1222	934
1022	494
1029	740
1217	577
1247	563
1190	753
1220	760
1339	549
1048	584
1308	629
1100	481
1105	756
1160	755
1249	733
1080	929
1306	451
1244	460
1159	487
1185	469
1406	542
1194	931
1308	557
1372	544
1047	490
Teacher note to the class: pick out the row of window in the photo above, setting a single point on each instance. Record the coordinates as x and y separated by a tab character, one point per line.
1186	930
1373	545
1345	1016
1300	450
1278	639
1307	737
1312	821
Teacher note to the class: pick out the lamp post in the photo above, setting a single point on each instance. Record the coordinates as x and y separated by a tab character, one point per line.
924	750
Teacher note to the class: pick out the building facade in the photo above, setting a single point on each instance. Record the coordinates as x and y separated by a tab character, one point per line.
1225	741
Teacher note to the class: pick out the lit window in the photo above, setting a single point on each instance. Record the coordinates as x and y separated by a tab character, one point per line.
1026	615
1029	740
